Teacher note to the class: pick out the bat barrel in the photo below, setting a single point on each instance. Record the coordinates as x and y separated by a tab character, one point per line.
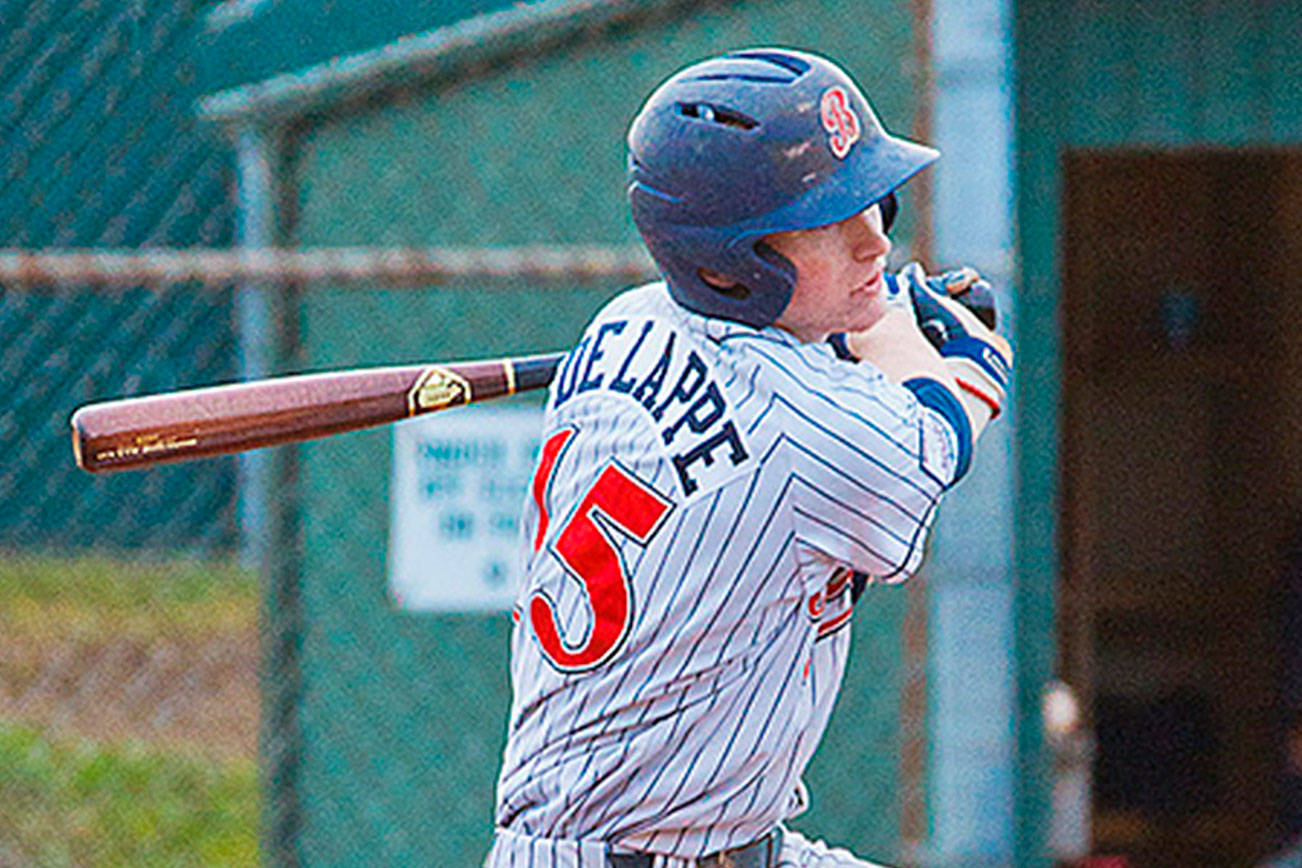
218	420
198	423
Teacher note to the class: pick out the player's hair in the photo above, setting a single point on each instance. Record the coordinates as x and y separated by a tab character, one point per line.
749	143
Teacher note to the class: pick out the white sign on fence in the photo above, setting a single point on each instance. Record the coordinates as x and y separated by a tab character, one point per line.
458	486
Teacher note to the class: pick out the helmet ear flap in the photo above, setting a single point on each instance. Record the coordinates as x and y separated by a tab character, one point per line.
760	286
740	290
770	254
722	285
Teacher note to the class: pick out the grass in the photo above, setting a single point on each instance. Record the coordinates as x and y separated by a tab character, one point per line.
67	801
88	598
79	803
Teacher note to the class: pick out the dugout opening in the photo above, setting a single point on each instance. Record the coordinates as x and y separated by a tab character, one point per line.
1181	476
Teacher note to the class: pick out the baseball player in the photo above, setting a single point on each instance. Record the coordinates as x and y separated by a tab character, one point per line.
727	456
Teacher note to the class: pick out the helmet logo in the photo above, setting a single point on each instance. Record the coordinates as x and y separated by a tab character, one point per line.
840	121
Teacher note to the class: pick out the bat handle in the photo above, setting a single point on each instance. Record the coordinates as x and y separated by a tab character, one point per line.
981	301
535	372
977	297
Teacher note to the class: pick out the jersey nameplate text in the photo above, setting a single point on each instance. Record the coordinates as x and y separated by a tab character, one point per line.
651	363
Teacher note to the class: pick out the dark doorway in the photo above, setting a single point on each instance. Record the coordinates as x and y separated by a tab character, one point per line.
1182	485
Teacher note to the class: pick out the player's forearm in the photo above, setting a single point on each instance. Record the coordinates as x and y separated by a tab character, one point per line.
979	413
896	348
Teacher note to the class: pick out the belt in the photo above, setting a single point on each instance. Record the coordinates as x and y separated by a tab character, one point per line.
762	853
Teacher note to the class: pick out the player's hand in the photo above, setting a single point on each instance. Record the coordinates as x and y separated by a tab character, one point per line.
924	293
956	313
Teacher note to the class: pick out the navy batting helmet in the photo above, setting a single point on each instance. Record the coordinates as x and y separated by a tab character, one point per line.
746	144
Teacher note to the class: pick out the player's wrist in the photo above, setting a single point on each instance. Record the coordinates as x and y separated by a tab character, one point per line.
955	312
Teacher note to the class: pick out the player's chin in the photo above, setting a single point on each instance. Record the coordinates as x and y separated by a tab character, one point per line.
865	310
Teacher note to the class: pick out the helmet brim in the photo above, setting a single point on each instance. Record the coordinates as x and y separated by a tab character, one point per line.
877	171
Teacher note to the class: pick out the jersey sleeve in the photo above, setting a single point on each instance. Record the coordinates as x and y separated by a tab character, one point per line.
868	460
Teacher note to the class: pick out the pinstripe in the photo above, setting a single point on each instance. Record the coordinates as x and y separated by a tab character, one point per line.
834	379
673	714
573	602
732	740
880	494
578	712
694	735
744	399
727	714
690	654
679	719
828	436
882	559
602	820
698	538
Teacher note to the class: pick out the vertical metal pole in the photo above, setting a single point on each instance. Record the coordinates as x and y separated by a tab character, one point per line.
973	778
269	507
256	228
283	628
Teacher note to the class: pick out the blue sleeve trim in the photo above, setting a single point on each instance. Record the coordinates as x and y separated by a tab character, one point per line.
931	393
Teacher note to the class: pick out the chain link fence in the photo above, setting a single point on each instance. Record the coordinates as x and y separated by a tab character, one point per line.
128	634
71	345
134	609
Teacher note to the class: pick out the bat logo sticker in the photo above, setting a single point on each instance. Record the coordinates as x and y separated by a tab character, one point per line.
437	388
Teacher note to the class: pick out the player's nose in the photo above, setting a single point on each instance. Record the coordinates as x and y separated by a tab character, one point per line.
867	237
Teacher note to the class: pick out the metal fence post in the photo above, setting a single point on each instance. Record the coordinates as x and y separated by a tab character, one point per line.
269	504
256	228
280	740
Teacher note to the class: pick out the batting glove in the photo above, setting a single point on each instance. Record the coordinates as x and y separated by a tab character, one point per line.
956	312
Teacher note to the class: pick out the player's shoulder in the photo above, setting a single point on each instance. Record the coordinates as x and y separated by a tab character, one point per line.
725	341
647	315
747	359
649	362
647	300
788	358
654	301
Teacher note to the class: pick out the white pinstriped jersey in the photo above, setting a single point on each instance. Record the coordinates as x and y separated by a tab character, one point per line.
704	491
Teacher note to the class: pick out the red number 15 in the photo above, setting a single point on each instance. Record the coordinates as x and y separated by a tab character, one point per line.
616	501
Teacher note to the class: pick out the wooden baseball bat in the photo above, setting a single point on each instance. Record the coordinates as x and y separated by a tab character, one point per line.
217	420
